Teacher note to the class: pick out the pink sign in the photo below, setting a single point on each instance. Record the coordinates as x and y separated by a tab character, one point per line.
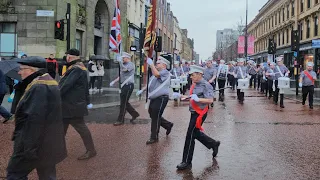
251	45
241	44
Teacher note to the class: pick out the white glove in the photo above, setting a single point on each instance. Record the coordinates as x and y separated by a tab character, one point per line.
112	83
176	95
149	61
264	78
195	97
139	92
287	74
89	106
300	84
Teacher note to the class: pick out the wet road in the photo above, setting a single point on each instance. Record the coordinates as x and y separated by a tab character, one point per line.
258	141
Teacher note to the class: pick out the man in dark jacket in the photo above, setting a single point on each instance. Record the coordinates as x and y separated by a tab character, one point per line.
3	90
74	95
39	141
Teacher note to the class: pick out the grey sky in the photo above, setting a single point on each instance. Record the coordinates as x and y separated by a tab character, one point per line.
203	18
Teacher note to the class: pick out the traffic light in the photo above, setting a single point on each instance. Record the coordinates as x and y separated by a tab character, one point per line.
271	47
59	30
158	44
295	40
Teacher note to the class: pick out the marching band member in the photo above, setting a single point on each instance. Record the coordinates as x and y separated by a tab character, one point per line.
127	86
201	95
280	71
222	77
210	74
270	75
159	88
307	79
176	71
230	75
253	73
241	72
185	69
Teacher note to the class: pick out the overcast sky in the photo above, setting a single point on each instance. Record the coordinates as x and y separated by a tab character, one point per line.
203	18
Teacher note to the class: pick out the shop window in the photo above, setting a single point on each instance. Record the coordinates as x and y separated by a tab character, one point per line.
8	39
308	29
316	24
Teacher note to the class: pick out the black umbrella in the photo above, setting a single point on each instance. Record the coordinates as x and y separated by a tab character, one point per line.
10	68
99	58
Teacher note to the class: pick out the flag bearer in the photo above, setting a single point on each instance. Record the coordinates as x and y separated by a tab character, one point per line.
307	79
201	95
159	87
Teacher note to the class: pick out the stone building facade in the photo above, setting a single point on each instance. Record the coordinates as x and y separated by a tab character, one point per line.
34	35
276	19
187	50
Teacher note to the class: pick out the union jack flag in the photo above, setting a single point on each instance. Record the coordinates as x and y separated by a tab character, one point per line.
115	35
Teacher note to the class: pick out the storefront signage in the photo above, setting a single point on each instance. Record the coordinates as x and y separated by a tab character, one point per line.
316	43
45	13
133	48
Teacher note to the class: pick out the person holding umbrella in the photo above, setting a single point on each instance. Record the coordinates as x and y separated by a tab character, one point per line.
39	141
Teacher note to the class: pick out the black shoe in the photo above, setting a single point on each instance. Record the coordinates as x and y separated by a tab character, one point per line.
8	119
215	149
311	107
241	101
276	103
303	103
151	141
88	155
134	118
169	129
282	106
269	97
118	123
184	165
211	104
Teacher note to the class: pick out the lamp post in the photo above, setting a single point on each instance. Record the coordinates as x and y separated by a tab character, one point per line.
246	33
221	44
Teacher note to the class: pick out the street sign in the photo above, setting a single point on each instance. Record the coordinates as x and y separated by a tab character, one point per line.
316	43
45	13
295	54
133	48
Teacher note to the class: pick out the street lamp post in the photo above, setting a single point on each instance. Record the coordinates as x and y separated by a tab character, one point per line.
246	33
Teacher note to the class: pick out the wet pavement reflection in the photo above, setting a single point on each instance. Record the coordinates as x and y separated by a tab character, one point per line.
259	140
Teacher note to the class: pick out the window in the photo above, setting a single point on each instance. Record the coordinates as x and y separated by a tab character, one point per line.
316	2
287	36
308	28
79	41
308	3
279	39
301	5
283	37
301	31
288	12
292	8
316	23
279	17
276	19
8	39
272	21
269	24
283	15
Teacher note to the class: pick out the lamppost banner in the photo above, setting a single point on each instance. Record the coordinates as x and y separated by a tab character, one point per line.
241	45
